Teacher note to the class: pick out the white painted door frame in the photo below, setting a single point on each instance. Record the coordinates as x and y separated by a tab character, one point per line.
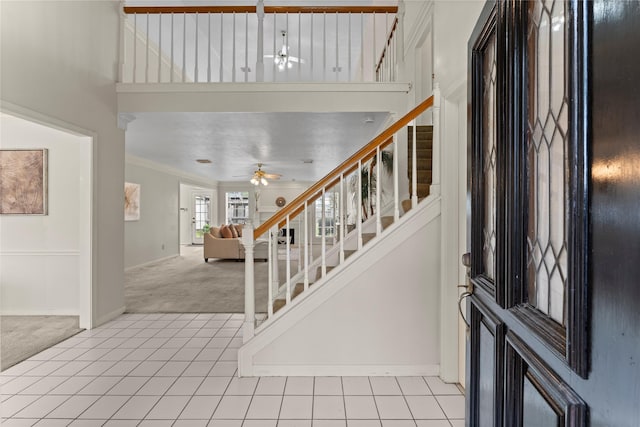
87	233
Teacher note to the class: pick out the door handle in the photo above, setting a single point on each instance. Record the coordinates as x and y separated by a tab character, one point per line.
466	259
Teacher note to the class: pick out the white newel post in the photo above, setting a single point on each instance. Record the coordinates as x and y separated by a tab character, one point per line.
121	54
249	285
437	141
260	47
400	42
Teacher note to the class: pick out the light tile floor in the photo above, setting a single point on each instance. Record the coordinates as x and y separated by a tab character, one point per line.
179	370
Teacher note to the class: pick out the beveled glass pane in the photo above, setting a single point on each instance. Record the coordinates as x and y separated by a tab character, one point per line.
486	377
489	156
536	411
547	161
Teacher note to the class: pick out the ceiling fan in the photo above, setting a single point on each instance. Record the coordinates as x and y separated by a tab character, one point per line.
283	59
260	176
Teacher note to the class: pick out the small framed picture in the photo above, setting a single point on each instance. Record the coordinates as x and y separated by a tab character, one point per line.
23	182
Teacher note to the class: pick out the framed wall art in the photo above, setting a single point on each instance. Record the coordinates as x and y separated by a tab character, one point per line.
23	182
131	201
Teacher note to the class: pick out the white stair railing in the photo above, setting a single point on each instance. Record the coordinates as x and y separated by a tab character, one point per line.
343	184
255	43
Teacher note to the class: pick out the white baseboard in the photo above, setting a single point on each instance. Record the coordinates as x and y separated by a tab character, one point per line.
151	262
30	312
109	316
345	370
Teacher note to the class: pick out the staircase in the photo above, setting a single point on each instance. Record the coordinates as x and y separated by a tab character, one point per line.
375	253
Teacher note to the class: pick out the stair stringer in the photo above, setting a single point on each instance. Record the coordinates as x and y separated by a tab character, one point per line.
377	314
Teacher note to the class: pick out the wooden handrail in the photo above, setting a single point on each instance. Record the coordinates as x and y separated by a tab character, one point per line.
252	9
384	51
331	9
382	140
189	9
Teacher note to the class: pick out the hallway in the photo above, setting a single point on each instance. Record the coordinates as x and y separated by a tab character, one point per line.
179	370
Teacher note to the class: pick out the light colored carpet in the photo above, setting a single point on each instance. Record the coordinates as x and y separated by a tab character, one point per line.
187	284
24	336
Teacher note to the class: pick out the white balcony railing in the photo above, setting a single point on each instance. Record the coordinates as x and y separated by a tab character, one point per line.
259	43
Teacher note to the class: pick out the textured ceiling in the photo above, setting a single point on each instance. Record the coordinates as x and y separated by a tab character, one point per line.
236	142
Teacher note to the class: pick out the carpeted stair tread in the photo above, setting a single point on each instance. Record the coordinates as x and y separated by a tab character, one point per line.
278	304
348	253
367	237
406	204
386	221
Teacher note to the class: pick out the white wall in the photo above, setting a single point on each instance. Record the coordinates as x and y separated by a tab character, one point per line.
41	255
157	234
60	60
377	316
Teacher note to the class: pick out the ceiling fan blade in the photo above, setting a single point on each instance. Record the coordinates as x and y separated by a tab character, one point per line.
272	175
295	59
269	56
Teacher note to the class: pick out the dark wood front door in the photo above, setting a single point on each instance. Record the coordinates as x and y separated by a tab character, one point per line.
554	184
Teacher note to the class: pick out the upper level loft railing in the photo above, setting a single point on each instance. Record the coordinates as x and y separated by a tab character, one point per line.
205	44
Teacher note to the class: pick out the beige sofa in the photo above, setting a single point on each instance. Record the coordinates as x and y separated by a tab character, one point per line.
216	246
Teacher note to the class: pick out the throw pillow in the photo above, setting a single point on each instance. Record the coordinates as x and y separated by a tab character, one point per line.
233	230
226	233
215	232
239	229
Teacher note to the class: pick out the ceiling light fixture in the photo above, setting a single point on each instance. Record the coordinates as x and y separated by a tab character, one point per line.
281	59
203	161
259	177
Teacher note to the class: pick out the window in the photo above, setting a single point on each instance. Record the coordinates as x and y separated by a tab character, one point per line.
237	203
331	206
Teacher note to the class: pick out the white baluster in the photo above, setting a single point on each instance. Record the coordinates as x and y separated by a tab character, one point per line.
324	235
270	288
306	247
184	47
437	143
362	47
337	57
172	43
341	218
399	36
396	195
195	56
249	285
121	53
288	257
233	50
159	48
378	190
324	46
221	47
246	47
359	207
146	57
260	47
274	45
299	53
311	52
373	44
349	78
299	260
208	47
276	269
414	168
